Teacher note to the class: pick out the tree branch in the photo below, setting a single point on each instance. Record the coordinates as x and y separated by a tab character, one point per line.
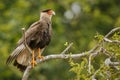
108	62
112	32
62	55
111	41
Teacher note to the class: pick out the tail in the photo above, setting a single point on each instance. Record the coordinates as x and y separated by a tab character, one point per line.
19	66
20	56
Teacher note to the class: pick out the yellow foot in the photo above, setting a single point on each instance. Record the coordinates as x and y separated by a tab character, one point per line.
39	54
40	57
33	62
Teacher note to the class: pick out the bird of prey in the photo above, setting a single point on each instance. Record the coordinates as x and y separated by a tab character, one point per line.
37	38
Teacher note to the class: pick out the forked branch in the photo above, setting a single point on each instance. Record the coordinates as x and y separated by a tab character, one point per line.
62	55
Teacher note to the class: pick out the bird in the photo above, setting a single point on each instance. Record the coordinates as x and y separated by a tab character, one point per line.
37	37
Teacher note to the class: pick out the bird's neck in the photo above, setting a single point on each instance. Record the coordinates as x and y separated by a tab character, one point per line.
45	19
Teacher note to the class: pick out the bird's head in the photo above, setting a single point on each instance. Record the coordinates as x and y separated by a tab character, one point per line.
47	13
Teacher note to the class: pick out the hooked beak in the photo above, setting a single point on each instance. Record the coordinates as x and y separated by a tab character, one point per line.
53	12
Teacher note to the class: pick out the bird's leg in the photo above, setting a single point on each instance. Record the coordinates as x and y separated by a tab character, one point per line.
39	54
33	62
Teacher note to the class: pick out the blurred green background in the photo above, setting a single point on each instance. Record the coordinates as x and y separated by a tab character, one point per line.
75	21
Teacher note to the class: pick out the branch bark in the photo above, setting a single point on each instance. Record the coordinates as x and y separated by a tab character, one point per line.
62	55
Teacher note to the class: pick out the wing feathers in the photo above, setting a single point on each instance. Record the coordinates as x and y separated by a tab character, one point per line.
33	28
15	53
24	57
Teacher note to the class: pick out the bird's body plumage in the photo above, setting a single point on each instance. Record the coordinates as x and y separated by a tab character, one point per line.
37	36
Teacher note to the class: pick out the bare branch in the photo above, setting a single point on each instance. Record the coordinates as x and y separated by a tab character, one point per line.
108	62
115	63
93	52
106	52
57	56
27	73
67	48
89	64
94	74
50	57
62	55
106	36
112	32
111	41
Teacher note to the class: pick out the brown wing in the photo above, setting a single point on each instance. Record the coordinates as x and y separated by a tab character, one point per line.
37	36
31	31
29	35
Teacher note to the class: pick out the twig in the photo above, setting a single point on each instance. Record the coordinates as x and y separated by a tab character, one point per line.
111	41
115	63
89	64
23	30
94	74
67	48
106	52
90	57
112	32
108	62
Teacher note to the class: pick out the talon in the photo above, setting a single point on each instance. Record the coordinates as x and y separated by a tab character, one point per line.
33	62
39	54
40	57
